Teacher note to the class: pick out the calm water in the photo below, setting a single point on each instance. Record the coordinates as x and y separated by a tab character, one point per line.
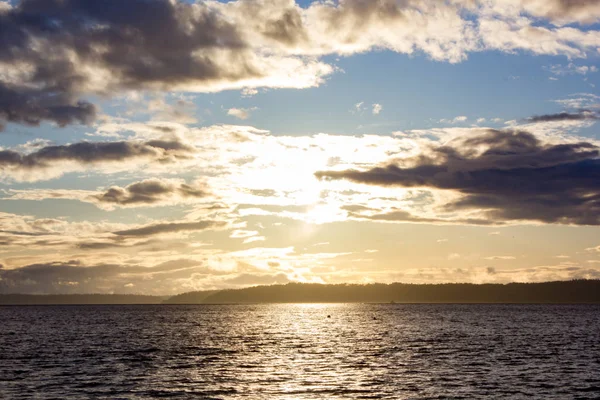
298	352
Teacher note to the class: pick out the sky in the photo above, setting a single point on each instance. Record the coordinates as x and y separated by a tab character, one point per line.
165	146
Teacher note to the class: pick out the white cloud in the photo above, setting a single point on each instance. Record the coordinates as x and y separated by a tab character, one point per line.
242	234
253	239
249	92
240	113
455	120
358	107
594	249
580	100
571	68
377	108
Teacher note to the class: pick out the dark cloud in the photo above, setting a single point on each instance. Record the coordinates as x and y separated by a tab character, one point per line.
359	14
61	44
510	175
150	191
98	245
94	152
171	227
564	116
262	192
286	28
404	216
31	107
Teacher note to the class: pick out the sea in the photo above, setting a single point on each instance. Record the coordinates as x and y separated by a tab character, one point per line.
300	351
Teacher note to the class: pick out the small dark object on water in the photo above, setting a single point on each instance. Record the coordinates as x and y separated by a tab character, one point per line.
329	316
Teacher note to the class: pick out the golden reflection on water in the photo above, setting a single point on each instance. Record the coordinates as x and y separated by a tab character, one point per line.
301	351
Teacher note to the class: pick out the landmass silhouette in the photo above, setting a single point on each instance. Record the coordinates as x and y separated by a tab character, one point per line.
574	291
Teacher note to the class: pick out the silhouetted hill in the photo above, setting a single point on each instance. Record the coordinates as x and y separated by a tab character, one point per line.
576	291
190	297
16	299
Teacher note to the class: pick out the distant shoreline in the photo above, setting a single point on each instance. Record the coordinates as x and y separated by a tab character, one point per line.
558	292
299	303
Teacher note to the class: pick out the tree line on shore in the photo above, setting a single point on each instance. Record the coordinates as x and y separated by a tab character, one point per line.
574	291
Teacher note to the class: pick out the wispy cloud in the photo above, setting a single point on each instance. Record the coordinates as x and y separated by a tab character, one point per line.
170	227
571	68
455	120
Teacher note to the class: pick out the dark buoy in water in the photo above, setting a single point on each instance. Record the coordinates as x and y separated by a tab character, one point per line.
374	317
329	316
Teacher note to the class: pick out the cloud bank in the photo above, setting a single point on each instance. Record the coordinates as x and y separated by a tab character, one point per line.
56	53
505	175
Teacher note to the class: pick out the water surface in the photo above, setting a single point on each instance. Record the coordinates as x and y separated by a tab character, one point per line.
300	351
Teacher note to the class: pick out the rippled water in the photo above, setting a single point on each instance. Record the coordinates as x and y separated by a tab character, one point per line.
300	351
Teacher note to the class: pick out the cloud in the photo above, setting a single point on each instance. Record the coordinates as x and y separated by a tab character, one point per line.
580	101
32	106
377	108
494	275
74	276
241	234
51	160
455	120
97	245
253	239
147	193
241	113
181	110
564	116
502	176
67	49
560	11
254	279
571	68
243	167
56	53
596	249
249	92
169	227
150	192
395	215
500	258
358	107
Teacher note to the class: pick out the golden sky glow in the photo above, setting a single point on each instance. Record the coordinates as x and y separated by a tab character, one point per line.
275	141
